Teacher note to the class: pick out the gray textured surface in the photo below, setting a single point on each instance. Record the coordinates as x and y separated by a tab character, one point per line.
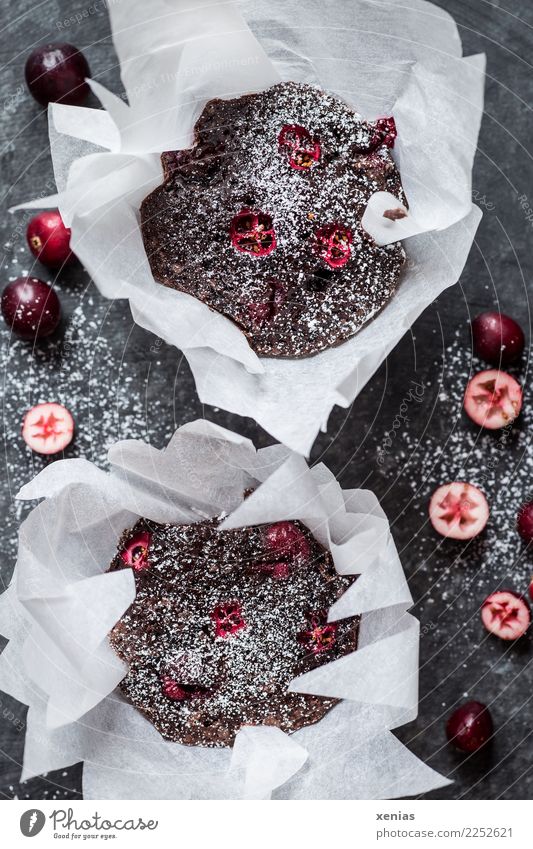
120	384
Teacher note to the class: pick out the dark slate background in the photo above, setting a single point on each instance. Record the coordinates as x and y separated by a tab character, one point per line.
141	388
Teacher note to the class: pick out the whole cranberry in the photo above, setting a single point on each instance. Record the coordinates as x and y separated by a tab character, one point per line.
49	239
470	726
524	522
30	307
498	338
56	73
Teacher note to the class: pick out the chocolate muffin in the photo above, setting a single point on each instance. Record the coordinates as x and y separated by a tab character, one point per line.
221	624
261	218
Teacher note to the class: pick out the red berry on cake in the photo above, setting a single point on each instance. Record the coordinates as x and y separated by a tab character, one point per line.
506	614
493	399
333	244
228	619
49	239
303	151
48	428
458	510
470	727
319	635
136	552
252	232
287	538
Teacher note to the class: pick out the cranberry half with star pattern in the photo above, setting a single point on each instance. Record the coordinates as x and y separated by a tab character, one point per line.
228	619
320	635
302	149
333	244
252	232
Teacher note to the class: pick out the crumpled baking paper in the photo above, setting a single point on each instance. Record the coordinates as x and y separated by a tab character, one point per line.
392	56
62	603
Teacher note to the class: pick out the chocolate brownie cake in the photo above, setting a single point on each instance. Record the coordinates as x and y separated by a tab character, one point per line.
221	624
261	218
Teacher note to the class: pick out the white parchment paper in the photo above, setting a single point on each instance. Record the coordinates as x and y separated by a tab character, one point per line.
62	603
382	56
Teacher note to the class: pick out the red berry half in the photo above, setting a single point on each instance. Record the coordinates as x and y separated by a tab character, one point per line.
177	692
136	552
262	313
319	635
302	149
252	232
470	727
31	308
524	522
498	338
531	588
333	244
493	399
286	538
57	73
228	618
49	239
506	614
48	428
458	510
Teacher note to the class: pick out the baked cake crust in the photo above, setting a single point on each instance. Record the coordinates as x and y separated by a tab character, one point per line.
221	624
261	218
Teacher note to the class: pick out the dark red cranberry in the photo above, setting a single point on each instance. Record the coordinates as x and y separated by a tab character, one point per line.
470	727
136	552
302	149
498	338
31	308
56	73
286	538
49	239
264	312
334	244
252	232
320	635
384	132
228	618
524	522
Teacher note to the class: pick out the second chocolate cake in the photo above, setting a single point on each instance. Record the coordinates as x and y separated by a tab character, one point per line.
221	624
261	218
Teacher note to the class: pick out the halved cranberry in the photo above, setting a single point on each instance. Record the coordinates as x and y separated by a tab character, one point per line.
458	510
320	635
287	538
228	618
334	244
493	399
498	338
266	311
506	614
252	232
48	428
49	239
136	552
178	692
470	726
531	588
301	148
